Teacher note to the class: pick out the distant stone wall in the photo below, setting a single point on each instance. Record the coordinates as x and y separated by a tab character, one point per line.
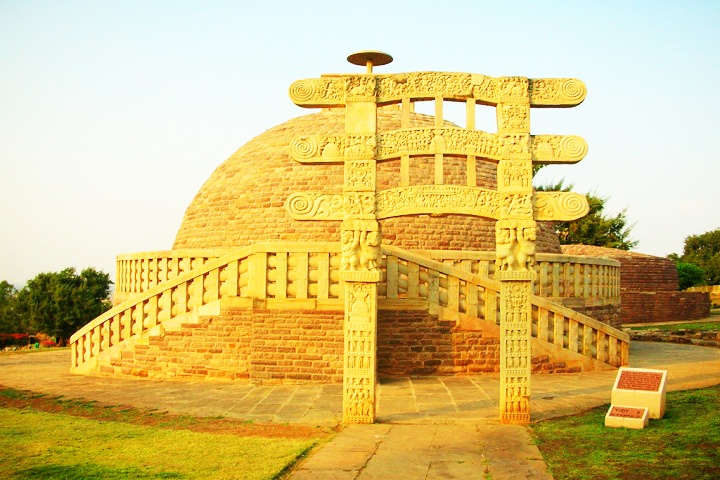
712	290
683	336
641	307
648	287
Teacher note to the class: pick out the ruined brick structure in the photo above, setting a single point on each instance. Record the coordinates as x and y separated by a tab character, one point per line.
649	287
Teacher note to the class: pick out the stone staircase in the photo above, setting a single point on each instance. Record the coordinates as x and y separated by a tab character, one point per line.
306	277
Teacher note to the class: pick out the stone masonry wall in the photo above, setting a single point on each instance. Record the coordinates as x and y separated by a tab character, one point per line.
217	347
242	202
272	346
648	287
264	346
297	346
641	307
418	343
648	292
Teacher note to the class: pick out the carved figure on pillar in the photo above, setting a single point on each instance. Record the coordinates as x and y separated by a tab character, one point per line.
360	245
515	245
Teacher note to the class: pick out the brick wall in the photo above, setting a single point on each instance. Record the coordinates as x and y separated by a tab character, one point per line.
648	287
417	343
270	346
297	346
217	347
643	307
264	346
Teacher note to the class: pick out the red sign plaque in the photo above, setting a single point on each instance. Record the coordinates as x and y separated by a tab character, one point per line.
638	380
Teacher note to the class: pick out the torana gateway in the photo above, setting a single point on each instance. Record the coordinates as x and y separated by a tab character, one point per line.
368	239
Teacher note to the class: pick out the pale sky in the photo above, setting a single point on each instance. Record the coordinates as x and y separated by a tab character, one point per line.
114	113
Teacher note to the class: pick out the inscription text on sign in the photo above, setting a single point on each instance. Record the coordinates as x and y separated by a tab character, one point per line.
627	412
642	388
626	417
634	380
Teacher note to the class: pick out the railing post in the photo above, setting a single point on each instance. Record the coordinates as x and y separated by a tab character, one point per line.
391	276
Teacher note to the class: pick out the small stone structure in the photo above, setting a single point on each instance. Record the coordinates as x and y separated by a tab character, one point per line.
712	290
368	239
649	287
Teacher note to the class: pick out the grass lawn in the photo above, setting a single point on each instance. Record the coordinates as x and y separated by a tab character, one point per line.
685	444
56	438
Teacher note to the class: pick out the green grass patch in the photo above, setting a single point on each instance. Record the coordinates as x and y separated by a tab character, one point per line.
44	436
699	326
685	444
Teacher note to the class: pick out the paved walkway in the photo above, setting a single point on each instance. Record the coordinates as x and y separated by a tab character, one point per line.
428	427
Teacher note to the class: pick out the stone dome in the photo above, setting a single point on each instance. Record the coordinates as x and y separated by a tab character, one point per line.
243	200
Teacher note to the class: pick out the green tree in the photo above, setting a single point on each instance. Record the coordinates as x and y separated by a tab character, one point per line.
59	303
689	275
595	228
10	320
704	251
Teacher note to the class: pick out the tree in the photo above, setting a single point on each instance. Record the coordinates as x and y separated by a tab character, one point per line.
10	321
594	228
689	275
58	304
704	251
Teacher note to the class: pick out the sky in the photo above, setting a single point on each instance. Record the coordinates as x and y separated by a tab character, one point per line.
114	113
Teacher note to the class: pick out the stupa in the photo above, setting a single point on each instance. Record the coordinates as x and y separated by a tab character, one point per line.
368	239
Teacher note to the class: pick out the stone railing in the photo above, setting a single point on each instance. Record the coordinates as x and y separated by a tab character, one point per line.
593	279
161	286
138	272
294	270
414	276
264	271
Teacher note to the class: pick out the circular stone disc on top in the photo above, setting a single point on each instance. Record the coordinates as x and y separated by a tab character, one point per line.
374	57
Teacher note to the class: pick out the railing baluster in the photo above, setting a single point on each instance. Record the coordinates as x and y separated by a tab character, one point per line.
613	351
434	286
588	341
413	288
453	293
302	273
392	276
151	313
558	329
471	298
323	276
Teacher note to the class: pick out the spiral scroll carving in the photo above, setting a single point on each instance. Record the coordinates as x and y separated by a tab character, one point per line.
573	89
560	206
314	206
304	148
300	204
572	204
573	148
302	91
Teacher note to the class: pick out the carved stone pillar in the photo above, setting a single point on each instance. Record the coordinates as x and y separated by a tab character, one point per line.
515	249
360	243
